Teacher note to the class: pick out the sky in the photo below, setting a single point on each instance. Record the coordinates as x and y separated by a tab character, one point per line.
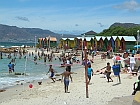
69	16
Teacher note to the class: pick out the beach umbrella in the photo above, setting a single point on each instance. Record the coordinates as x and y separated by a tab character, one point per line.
137	46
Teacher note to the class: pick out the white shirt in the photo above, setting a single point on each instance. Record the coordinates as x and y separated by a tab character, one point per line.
67	62
114	58
132	60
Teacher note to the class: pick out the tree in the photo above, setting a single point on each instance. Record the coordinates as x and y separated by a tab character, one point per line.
119	31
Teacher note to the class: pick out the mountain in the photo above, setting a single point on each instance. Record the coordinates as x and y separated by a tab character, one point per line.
125	25
121	29
14	33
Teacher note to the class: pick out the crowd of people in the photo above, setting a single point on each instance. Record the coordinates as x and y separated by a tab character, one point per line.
68	60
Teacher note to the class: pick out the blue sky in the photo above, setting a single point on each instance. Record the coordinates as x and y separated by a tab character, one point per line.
69	16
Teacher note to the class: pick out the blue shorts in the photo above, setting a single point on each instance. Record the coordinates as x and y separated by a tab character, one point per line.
52	74
66	82
89	77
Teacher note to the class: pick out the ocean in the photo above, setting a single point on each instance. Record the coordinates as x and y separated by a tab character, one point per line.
26	65
10	44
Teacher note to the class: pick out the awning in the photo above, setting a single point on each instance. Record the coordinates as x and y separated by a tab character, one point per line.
137	46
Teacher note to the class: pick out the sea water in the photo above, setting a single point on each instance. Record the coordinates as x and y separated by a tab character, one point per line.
27	65
32	70
10	44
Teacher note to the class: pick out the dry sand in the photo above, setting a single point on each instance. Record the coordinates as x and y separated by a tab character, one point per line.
99	90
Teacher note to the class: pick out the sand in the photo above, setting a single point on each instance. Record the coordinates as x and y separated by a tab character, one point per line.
99	90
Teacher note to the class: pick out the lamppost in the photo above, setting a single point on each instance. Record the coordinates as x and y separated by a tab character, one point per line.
137	39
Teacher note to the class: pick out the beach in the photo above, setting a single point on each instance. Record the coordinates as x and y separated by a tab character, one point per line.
100	92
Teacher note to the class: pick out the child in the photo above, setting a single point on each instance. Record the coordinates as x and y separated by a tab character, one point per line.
108	71
89	71
52	75
138	86
103	56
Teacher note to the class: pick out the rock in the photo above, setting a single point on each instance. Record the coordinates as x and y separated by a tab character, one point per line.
2	90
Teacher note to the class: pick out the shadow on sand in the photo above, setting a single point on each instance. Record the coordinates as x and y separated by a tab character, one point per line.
116	84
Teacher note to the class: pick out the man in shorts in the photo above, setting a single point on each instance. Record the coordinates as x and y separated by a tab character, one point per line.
66	74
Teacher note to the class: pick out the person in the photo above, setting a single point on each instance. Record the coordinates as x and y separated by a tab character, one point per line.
1	55
108	54
69	63
66	75
13	60
103	56
108	72
13	67
45	58
89	72
132	62
114	59
88	62
10	67
52	73
35	58
133	52
117	69
93	53
138	86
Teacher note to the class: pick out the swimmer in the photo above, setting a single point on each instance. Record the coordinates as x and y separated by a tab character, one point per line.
10	67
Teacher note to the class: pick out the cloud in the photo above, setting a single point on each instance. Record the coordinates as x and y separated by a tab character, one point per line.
101	25
22	18
76	25
131	5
